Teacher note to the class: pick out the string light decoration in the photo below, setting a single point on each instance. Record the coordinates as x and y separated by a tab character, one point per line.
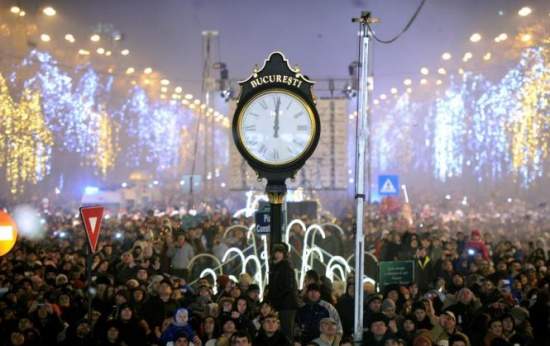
449	135
154	130
104	158
165	135
493	149
25	141
530	122
394	145
55	87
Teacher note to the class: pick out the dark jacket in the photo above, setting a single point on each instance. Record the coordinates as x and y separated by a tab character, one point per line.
282	290
278	339
369	340
155	310
346	310
131	333
424	273
308	320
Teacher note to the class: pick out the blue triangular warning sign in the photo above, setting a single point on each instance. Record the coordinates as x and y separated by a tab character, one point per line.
388	187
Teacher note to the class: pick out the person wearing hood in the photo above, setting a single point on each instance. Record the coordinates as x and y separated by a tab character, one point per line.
407	330
178	327
129	330
282	288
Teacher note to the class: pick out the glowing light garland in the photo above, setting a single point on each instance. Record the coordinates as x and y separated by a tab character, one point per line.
394	144
105	155
487	130
496	129
448	135
25	141
158	131
530	122
55	88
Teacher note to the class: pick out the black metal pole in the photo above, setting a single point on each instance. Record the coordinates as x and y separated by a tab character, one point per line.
276	192
89	283
276	221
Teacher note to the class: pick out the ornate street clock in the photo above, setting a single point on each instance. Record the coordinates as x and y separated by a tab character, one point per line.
276	127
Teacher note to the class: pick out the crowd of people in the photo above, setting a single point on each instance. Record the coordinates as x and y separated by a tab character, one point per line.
480	279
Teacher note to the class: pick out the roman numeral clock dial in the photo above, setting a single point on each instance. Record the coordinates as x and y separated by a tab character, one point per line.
276	127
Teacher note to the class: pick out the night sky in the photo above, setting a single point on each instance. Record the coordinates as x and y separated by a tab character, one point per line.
316	35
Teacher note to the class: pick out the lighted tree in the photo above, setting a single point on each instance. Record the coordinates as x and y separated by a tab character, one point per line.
25	140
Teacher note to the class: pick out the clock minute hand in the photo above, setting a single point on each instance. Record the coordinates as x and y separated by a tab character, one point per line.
276	123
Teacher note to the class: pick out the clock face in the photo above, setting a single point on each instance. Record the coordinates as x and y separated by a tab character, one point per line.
276	127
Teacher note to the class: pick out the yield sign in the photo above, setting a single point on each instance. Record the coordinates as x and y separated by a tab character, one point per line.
91	219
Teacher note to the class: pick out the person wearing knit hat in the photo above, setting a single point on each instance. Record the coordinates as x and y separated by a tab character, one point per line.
378	331
282	289
179	327
374	302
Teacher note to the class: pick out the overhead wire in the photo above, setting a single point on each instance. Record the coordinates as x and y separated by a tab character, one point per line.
405	29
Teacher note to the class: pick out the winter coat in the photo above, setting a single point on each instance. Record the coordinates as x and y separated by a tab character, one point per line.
479	247
175	331
424	273
282	290
308	320
277	339
346	310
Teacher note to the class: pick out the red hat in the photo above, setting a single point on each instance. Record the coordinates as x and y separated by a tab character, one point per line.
476	232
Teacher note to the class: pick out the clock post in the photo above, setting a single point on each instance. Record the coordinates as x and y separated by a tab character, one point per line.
276	192
276	128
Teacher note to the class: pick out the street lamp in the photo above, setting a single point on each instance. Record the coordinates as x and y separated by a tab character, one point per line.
49	11
525	11
70	38
476	37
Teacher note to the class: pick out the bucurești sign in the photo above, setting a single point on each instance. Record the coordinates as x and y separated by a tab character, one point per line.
276	78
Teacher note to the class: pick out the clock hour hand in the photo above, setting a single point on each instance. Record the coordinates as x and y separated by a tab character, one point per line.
276	123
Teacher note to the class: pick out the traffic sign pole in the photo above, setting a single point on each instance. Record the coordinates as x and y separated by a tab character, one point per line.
91	220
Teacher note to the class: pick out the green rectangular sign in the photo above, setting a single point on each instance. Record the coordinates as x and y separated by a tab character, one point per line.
395	272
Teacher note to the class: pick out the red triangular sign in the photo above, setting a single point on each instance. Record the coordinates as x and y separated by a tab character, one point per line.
91	219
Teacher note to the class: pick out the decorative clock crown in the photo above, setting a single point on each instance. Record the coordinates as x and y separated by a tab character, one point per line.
276	72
